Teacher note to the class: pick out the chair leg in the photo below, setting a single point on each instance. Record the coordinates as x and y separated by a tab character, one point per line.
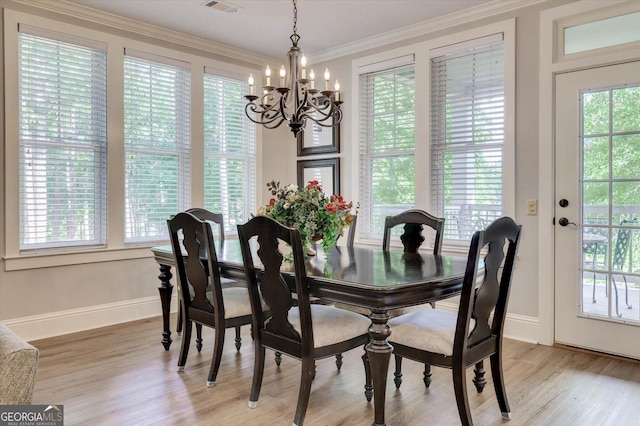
278	358
339	361
478	379
426	376
460	389
199	337
397	375
498	384
179	324
184	348
368	381
258	372
308	372
218	346
238	339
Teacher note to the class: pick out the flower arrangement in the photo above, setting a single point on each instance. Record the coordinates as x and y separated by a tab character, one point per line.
309	210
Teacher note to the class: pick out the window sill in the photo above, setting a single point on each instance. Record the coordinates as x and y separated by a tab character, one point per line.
48	260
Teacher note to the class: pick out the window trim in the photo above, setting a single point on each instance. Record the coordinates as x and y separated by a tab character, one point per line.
423	77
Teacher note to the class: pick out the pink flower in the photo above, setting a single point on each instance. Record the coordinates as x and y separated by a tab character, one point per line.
332	208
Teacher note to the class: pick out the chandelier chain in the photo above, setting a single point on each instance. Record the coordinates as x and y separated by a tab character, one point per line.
295	17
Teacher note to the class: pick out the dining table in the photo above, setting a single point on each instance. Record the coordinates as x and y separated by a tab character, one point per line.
360	276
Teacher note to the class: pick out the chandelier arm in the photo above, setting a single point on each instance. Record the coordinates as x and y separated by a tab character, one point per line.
283	106
336	115
267	115
303	104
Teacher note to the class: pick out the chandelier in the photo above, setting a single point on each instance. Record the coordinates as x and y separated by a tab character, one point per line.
296	99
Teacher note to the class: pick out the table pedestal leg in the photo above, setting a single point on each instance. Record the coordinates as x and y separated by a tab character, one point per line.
165	289
379	351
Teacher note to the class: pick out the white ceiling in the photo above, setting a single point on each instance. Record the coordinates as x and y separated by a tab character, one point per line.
264	26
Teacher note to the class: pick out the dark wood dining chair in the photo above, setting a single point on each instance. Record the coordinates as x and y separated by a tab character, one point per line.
412	238
460	340
202	298
302	330
216	219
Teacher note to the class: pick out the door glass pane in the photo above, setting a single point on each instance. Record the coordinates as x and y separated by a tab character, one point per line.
626	104
596	158
595	196
626	200
595	111
626	156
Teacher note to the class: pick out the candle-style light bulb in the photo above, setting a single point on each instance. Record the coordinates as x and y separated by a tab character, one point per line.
267	72
312	76
327	76
337	86
337	95
251	92
283	74
303	63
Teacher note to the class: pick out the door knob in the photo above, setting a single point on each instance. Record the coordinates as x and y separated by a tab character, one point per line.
563	221
564	202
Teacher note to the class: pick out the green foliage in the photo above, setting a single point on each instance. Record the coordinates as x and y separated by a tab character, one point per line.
309	210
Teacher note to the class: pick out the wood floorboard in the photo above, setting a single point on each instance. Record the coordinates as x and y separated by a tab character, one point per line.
121	375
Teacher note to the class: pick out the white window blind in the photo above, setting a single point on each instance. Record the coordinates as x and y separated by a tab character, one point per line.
387	142
62	139
229	149
157	143
467	136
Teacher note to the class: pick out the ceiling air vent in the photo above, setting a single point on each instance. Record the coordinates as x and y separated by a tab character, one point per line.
221	6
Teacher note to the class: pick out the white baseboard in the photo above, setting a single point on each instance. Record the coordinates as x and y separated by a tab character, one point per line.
64	322
516	327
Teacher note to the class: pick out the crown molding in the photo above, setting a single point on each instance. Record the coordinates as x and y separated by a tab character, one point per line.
492	8
95	16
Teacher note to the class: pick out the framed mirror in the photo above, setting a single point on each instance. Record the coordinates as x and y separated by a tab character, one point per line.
325	171
316	139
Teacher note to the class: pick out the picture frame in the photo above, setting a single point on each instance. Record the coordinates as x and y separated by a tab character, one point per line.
318	139
326	171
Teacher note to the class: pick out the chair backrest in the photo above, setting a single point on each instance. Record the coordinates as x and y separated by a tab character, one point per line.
275	288
480	300
621	247
216	218
195	263
412	237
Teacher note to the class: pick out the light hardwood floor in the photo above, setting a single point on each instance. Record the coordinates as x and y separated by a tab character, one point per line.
121	375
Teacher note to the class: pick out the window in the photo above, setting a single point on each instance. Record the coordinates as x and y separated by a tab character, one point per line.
62	140
602	33
387	142
229	150
156	138
467	135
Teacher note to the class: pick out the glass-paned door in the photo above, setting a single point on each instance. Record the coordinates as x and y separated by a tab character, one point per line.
598	209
